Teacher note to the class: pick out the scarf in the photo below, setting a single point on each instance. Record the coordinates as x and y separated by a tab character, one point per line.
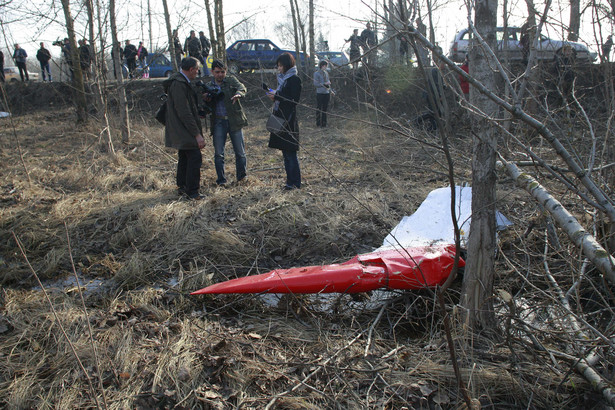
281	81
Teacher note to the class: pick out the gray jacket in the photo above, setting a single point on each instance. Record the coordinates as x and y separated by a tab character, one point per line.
183	123
320	79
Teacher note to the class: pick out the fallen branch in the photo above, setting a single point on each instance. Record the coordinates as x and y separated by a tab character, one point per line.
565	220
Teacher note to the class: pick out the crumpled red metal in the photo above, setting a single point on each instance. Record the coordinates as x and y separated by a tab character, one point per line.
408	268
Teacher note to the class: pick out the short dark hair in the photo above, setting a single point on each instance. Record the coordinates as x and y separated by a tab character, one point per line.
218	64
188	63
286	60
323	63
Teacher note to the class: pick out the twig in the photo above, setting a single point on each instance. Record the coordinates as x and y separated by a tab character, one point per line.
371	328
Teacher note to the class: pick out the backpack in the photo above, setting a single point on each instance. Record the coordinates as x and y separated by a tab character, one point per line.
161	112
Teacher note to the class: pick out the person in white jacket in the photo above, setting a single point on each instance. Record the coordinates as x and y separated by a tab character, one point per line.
323	93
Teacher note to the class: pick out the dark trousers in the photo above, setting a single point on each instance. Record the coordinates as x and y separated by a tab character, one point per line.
132	64
189	171
291	164
1	74
322	102
23	71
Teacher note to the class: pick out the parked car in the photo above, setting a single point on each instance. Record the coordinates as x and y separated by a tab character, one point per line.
335	58
12	74
546	50
158	64
256	54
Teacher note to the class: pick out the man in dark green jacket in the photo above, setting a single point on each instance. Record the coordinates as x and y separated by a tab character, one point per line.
183	130
227	118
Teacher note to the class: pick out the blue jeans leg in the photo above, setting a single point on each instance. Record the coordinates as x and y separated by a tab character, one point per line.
219	139
240	153
291	164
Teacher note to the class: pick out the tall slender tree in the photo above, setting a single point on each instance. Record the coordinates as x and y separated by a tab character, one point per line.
212	37
124	117
78	86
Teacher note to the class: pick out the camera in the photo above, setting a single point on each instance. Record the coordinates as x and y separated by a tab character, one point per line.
214	93
58	43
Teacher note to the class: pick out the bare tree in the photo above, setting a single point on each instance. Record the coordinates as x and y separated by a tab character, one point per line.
220	33
575	20
124	117
477	287
212	36
78	86
312	61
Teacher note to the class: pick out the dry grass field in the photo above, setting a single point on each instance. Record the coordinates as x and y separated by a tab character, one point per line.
117	253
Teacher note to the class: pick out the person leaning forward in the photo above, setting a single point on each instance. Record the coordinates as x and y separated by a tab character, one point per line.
183	129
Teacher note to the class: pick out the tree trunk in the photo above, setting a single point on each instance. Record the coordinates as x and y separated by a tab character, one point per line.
171	40
477	289
212	36
575	20
312	63
78	87
294	13
219	18
124	117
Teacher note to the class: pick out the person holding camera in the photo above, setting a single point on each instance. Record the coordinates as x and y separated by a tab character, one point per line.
227	118
183	130
323	93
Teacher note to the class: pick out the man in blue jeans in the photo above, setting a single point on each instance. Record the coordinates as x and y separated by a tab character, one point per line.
227	118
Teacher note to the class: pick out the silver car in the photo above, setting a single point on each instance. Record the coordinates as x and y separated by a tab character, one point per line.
546	50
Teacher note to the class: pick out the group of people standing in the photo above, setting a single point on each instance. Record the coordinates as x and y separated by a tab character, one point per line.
366	41
184	131
197	47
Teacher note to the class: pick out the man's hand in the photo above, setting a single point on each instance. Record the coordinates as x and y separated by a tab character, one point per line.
235	97
200	141
271	95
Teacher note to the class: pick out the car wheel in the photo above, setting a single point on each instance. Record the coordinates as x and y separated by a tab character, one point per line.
233	68
168	74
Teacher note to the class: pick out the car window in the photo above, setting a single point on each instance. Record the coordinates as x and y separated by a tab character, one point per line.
237	46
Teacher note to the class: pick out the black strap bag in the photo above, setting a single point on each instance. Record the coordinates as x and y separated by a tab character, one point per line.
161	112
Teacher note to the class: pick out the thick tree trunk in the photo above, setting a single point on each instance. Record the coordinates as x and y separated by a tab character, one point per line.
477	290
124	117
78	87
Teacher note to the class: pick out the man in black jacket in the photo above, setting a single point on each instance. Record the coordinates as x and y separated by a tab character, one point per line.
43	56
130	54
183	130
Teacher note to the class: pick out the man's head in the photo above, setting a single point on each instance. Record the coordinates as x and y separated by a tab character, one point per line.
201	33
218	70
355	31
323	65
127	42
192	33
190	67
17	46
42	45
368	26
140	43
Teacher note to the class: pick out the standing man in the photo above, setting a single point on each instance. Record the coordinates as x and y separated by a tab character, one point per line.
205	47
142	54
178	48
1	67
43	56
85	58
183	129
20	57
227	118
193	47
368	41
355	51
323	93
130	54
606	47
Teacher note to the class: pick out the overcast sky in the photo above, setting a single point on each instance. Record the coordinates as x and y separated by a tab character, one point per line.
335	19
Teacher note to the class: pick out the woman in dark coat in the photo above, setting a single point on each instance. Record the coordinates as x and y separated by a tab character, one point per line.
285	99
